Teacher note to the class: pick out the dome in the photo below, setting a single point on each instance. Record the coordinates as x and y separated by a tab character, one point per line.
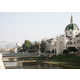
72	27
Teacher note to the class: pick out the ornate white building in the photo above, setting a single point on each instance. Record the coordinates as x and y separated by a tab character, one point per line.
71	38
72	33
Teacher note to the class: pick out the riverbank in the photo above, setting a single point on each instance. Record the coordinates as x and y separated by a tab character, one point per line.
65	65
64	62
68	62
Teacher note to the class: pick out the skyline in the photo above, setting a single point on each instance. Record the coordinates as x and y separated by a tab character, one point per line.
34	25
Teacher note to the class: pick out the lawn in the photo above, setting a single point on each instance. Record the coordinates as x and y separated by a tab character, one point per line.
66	58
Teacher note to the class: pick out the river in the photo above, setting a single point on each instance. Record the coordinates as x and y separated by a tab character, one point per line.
40	66
33	65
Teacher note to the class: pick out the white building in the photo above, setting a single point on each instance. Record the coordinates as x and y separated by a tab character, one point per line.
71	38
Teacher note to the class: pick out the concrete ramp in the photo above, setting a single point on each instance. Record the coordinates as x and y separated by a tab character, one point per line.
2	66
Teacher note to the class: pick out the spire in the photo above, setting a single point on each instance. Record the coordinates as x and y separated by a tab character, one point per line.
71	21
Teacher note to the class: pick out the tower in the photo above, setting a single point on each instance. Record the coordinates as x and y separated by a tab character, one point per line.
71	29
71	20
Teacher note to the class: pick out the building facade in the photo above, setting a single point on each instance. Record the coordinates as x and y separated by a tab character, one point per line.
71	38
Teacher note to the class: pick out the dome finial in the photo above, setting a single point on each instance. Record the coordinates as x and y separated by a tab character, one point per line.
71	21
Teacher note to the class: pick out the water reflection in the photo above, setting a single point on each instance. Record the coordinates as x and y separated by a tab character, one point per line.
40	66
32	65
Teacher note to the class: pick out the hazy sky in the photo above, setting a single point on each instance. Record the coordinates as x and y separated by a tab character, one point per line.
34	26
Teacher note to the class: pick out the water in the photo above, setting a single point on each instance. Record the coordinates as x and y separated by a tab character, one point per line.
10	63
40	66
32	65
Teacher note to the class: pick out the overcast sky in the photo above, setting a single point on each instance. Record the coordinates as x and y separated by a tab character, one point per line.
34	26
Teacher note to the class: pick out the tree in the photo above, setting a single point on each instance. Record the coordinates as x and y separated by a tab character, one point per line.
43	46
66	52
27	44
70	51
37	45
19	49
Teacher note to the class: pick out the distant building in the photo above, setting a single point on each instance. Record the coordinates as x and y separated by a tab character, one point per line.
71	38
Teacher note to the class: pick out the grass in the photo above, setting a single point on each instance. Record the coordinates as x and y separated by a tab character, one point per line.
66	58
71	62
